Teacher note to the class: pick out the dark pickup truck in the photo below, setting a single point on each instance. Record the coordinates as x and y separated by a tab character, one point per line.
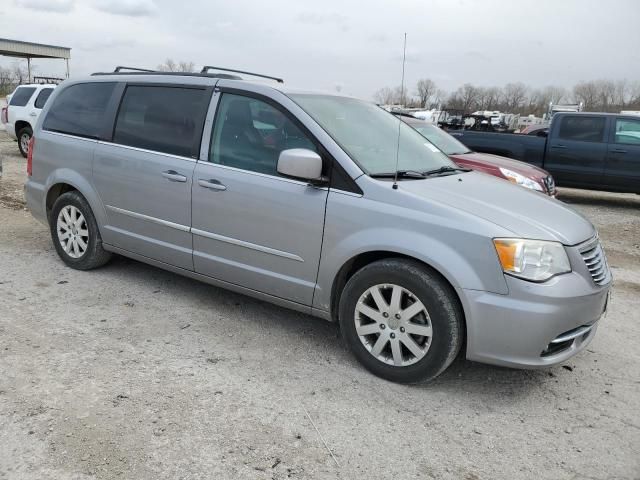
597	151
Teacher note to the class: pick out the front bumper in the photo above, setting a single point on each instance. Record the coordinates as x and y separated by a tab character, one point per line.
537	324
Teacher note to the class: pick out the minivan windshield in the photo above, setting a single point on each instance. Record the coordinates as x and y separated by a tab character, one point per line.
369	135
441	139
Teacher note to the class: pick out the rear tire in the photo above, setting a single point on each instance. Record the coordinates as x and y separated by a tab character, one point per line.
24	135
75	233
401	320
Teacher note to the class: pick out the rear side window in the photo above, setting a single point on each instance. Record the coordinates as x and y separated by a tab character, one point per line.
627	131
582	129
163	119
42	97
21	96
80	109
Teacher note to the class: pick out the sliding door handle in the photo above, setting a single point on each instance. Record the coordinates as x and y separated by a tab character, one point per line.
174	176
618	150
211	184
558	146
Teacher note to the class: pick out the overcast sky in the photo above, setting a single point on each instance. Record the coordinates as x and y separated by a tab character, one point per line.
356	45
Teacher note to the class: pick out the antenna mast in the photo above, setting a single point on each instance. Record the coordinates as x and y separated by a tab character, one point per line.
404	58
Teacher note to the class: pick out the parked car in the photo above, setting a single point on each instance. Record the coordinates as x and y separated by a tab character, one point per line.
517	172
597	151
23	110
321	203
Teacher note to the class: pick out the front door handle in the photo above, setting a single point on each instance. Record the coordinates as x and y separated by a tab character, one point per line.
558	146
618	150
33	114
174	176
212	184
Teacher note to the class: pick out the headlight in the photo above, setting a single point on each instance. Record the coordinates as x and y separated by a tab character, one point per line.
518	179
534	260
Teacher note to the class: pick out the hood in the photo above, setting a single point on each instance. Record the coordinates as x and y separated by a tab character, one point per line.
526	213
487	161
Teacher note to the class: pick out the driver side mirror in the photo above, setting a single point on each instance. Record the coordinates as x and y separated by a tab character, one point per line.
301	163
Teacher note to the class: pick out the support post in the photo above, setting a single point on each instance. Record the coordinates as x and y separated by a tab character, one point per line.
67	61
29	69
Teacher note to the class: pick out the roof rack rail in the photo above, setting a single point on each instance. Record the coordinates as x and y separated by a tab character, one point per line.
174	74
206	69
135	69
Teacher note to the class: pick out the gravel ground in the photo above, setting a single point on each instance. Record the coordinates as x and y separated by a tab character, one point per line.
131	372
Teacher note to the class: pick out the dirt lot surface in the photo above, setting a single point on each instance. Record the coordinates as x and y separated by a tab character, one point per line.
130	372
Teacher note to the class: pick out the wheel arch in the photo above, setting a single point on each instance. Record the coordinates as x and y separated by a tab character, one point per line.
54	192
65	180
466	260
361	260
20	124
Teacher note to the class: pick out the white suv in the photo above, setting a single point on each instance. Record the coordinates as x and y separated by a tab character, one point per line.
23	110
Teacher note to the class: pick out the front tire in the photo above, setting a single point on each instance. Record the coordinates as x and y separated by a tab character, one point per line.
401	320
24	136
75	233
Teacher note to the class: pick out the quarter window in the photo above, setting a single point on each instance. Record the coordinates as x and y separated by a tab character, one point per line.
250	134
582	129
627	131
80	109
42	97
21	96
163	119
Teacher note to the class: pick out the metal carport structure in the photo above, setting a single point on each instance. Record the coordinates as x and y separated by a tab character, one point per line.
28	50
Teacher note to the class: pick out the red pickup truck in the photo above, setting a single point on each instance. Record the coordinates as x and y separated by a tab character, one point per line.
521	173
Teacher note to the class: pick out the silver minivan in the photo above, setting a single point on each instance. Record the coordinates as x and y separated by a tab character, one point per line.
321	203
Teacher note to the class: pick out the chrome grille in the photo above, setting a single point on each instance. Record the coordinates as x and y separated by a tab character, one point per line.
595	260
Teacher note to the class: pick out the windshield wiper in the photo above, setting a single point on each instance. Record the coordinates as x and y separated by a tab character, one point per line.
400	174
445	169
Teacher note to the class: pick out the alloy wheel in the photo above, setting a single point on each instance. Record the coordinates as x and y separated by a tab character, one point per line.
393	325
24	142
73	233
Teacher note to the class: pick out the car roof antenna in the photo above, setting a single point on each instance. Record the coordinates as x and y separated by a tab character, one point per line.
404	58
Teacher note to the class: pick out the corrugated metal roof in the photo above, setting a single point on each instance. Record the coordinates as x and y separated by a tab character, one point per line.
17	48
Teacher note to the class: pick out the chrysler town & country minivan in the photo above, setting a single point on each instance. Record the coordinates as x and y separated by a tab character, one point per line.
321	203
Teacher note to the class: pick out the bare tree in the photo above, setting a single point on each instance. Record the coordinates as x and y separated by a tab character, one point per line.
587	93
621	93
384	96
438	98
634	95
171	66
606	94
425	89
602	95
535	100
400	95
465	98
488	98
12	76
6	81
554	94
514	95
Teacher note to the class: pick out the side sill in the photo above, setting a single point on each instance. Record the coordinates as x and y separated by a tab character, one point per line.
220	283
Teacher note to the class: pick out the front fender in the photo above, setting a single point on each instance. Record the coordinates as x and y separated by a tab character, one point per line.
474	270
